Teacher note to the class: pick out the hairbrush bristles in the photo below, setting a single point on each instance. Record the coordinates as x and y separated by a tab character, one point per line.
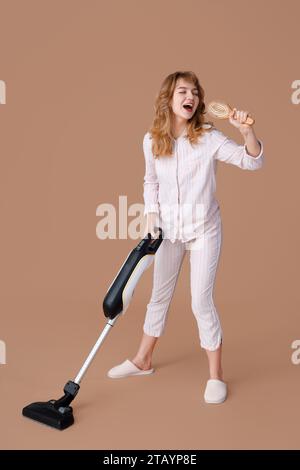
218	109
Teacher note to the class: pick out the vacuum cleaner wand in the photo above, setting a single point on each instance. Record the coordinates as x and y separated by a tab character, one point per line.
58	413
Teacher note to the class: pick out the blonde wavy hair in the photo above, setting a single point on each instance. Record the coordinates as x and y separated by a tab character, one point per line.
160	130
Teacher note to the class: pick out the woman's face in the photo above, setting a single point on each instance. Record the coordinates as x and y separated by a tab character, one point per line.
185	93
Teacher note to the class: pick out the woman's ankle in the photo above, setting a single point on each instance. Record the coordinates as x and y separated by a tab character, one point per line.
143	363
217	375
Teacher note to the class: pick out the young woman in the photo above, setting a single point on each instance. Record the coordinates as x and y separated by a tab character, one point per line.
181	153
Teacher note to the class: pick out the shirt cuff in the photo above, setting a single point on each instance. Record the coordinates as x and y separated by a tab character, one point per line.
260	153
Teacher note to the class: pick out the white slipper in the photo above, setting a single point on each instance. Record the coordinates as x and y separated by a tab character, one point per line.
126	369
216	391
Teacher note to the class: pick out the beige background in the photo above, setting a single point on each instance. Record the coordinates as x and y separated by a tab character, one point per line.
81	81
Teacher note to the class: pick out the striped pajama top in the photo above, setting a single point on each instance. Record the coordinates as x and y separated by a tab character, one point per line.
181	188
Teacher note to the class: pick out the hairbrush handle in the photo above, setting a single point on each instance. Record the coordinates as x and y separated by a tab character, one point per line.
250	121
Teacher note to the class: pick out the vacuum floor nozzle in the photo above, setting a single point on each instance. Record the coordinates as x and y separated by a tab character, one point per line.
46	413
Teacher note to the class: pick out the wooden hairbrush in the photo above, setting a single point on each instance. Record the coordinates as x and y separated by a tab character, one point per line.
221	110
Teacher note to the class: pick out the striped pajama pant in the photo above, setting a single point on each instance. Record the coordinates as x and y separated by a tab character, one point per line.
204	256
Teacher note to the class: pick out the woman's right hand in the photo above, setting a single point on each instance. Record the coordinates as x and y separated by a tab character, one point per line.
151	224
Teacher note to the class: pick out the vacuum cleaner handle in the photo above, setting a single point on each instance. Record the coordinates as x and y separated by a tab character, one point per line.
121	290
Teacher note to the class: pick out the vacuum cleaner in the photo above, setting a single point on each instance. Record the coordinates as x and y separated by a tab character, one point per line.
58	413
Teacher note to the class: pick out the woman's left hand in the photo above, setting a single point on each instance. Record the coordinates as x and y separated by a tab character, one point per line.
238	118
